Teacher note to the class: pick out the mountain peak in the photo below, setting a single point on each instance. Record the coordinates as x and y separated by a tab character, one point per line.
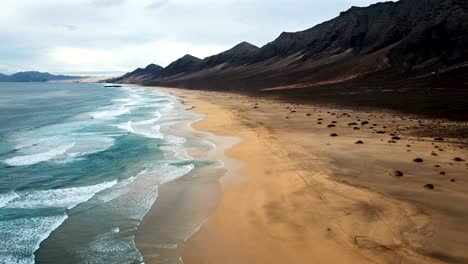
153	67
237	55
139	75
402	36
187	63
190	57
245	44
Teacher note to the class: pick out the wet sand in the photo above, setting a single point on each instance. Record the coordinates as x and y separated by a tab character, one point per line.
183	205
311	194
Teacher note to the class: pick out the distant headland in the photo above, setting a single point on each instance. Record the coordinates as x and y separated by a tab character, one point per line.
35	76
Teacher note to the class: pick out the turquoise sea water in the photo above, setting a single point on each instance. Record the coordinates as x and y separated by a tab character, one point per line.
87	161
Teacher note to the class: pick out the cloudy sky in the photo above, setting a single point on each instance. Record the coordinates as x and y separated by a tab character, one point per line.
102	37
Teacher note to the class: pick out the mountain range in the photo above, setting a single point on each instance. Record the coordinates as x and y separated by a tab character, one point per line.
34	76
409	44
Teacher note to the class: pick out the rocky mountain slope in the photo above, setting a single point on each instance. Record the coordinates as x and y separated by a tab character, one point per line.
409	44
238	55
139	75
187	63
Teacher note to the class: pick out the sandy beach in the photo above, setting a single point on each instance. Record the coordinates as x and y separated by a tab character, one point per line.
91	79
332	186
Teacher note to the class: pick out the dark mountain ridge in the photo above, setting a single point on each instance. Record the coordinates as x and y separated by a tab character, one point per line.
239	54
236	56
398	26
187	63
139	75
421	44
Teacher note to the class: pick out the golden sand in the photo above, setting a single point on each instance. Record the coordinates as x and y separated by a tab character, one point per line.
306	197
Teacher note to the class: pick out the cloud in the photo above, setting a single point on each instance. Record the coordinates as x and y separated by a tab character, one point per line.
69	59
108	3
158	4
69	36
67	27
4	68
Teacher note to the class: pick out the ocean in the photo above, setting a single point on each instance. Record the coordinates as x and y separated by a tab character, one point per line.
81	165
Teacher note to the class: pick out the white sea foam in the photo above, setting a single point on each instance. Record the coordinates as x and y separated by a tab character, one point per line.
147	122
43	147
172	122
137	195
109	114
211	144
110	247
60	198
182	154
38	157
168	173
90	144
142	128
143	171
7	197
132	197
25	144
27	234
127	126
118	190
165	246
139	203
175	139
179	152
157	115
194	229
153	132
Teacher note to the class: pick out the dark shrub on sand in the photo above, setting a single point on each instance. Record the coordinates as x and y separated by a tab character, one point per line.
418	160
359	142
333	135
398	173
458	159
331	125
429	186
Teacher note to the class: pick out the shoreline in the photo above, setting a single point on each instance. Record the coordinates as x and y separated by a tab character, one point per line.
184	204
305	199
